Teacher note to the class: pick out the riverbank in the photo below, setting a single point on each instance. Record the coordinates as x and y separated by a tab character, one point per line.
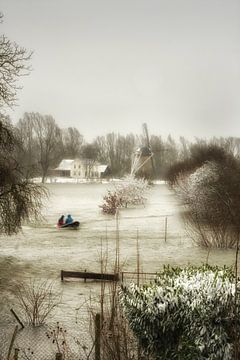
68	180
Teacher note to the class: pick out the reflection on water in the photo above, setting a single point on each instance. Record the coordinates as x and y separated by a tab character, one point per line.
43	250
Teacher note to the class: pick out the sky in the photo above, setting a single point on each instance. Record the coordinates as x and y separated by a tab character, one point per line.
112	65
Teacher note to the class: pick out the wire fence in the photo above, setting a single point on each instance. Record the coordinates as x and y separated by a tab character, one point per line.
58	341
139	278
45	343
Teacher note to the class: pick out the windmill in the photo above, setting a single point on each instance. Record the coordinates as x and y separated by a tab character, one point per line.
143	164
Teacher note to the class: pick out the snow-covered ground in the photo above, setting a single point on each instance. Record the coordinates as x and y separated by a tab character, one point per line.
68	180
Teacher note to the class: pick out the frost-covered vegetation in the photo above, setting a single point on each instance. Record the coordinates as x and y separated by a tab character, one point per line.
131	191
208	185
185	314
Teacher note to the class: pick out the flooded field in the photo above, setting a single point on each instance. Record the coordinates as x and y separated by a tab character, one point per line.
42	251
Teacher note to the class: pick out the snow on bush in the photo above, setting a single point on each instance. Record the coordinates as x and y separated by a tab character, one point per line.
212	196
131	191
196	191
185	314
112	202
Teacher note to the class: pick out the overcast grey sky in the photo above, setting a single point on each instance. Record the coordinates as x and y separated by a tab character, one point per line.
110	65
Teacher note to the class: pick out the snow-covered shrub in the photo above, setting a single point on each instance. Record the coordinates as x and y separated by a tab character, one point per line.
112	201
199	154
209	187
212	196
130	191
185	314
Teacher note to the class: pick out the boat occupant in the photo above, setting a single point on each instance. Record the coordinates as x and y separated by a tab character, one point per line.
61	221
69	219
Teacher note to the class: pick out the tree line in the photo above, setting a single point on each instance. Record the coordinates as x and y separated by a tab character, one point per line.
42	144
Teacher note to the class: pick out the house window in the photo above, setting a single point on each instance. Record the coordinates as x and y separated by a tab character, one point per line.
74	166
74	173
79	173
79	166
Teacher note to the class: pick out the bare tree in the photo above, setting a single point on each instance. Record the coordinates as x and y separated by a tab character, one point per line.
36	300
48	139
89	154
158	149
184	148
116	150
72	142
27	153
100	144
13	64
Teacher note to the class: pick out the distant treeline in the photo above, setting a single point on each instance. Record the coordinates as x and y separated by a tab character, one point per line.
42	144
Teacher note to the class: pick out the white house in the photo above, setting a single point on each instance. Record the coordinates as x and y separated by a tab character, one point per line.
80	169
63	169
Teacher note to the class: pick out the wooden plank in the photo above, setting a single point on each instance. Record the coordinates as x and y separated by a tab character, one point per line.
89	275
17	318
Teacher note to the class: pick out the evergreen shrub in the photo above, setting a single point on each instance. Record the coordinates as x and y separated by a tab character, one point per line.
188	313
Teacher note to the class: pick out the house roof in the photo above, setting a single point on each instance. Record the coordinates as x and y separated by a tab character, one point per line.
65	164
102	168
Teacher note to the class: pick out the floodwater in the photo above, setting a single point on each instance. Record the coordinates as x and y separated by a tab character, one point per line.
42	251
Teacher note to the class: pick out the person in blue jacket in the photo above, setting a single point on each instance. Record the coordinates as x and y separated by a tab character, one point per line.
69	219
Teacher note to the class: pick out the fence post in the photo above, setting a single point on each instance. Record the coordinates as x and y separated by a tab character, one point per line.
97	336
59	356
16	351
12	342
166	224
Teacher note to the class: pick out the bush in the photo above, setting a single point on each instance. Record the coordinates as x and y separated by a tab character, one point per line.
112	202
37	300
199	155
131	191
208	186
185	314
212	197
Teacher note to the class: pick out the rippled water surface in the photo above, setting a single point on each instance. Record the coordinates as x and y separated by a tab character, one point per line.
42	250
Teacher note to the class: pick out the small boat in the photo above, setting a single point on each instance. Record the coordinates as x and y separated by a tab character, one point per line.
73	225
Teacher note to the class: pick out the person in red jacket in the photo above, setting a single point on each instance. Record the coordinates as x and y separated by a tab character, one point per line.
61	221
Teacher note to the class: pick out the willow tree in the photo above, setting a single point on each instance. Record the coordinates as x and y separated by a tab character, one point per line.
20	199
